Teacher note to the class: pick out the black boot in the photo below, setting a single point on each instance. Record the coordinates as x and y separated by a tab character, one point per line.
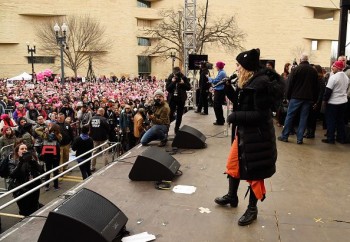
252	211
231	197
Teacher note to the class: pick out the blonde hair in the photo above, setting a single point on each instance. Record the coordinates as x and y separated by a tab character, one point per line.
244	77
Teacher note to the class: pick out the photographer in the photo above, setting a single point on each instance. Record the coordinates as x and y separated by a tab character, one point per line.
219	93
127	126
160	121
177	84
204	87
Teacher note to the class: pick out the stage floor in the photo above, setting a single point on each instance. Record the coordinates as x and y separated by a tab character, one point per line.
307	199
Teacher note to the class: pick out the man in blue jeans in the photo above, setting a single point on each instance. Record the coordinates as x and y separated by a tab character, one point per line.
302	91
160	121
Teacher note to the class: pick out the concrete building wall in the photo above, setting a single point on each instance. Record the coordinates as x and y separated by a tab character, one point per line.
279	28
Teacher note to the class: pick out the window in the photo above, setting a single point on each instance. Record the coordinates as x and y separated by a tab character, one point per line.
144	63
143	42
144	23
41	59
143	4
314	44
325	14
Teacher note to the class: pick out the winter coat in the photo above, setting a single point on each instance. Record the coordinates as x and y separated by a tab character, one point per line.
81	146
257	151
99	128
176	90
303	83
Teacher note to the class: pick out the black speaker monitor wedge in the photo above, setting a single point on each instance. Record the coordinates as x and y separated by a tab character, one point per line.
154	164
189	138
85	216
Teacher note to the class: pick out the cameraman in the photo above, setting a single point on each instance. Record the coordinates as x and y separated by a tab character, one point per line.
127	127
204	87
177	84
160	121
219	93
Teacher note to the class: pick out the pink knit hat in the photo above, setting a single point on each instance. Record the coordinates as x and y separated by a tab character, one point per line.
339	65
220	65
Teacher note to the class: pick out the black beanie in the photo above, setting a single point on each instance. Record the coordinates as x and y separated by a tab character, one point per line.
249	59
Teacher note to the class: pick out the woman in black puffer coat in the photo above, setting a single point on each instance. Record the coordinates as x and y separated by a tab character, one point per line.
253	153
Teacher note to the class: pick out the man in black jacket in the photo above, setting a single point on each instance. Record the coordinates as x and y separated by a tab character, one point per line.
67	138
204	86
302	91
177	84
99	129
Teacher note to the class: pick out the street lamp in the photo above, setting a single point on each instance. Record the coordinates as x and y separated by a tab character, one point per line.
61	34
31	51
173	57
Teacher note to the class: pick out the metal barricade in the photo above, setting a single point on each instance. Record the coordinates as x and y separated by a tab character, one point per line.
55	177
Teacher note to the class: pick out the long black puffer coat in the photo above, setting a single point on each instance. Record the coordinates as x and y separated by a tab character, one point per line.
255	131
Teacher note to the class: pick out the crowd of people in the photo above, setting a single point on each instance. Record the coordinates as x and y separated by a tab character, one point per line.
50	121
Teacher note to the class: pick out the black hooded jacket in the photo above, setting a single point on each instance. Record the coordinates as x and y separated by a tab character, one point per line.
255	131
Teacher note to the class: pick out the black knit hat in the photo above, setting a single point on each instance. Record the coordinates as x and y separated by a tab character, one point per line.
249	59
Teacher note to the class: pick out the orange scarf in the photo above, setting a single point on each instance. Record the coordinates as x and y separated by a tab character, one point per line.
232	169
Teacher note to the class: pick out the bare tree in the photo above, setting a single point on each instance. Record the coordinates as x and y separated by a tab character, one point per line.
85	40
168	34
297	51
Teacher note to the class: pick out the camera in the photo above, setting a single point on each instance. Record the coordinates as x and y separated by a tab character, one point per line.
149	109
204	65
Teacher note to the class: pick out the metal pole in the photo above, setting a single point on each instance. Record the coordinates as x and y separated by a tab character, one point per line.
62	65
31	54
344	10
31	50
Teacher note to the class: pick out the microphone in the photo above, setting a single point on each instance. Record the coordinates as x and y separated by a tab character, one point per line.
233	79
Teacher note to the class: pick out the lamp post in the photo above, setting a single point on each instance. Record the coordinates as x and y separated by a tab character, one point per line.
173	57
31	51
61	34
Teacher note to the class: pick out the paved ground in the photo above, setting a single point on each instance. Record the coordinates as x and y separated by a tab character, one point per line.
307	199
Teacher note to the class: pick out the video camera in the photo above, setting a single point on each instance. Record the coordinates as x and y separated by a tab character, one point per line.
204	65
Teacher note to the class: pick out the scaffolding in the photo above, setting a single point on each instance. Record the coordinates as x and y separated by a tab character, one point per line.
189	36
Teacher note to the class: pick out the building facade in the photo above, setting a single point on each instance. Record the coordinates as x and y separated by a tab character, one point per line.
281	29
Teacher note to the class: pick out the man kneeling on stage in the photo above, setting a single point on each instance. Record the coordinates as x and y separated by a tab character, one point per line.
159	116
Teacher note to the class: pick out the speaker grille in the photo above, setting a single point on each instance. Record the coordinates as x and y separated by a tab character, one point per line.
72	208
154	164
189	138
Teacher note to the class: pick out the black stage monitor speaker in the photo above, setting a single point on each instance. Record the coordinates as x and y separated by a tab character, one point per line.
195	60
85	216
154	164
189	138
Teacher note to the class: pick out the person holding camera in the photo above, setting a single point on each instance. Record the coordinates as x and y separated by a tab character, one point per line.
127	127
160	121
23	168
204	87
219	93
177	84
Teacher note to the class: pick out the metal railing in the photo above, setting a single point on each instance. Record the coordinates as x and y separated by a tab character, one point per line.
55	177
